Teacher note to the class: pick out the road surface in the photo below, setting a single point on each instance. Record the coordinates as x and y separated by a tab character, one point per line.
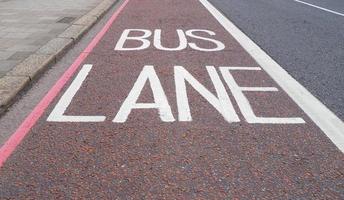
306	40
169	99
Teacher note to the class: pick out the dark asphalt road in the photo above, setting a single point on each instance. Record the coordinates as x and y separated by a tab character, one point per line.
305	41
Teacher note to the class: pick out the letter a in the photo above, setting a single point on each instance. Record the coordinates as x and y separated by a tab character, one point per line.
161	103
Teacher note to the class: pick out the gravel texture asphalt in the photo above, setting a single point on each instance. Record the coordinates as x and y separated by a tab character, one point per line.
145	158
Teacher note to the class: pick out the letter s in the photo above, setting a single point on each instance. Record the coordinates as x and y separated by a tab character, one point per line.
219	45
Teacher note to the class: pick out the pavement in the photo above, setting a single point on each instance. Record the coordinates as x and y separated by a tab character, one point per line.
303	39
35	35
26	26
154	103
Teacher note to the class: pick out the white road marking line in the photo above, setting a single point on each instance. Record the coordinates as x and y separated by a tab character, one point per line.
243	68
57	115
321	8
221	102
245	106
144	39
160	100
259	89
326	120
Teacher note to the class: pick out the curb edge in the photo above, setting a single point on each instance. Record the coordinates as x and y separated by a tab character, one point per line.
23	74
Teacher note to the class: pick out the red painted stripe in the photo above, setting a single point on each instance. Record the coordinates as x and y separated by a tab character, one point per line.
11	144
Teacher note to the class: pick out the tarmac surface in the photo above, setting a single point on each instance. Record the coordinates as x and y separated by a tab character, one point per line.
306	41
155	124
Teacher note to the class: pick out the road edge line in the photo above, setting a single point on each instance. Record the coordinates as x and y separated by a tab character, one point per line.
16	138
320	8
325	119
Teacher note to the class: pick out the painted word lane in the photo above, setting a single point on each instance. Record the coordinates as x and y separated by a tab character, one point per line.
172	101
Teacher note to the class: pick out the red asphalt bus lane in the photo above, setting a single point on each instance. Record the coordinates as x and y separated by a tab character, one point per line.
167	117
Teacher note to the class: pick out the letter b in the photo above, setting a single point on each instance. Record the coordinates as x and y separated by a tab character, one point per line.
125	36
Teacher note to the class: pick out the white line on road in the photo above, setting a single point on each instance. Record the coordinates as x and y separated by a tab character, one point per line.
57	115
321	8
326	120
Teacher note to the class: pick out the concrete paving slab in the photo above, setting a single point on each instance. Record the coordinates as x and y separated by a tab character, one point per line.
99	10
24	23
32	65
55	46
9	87
31	37
5	54
7	65
86	20
74	32
20	55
